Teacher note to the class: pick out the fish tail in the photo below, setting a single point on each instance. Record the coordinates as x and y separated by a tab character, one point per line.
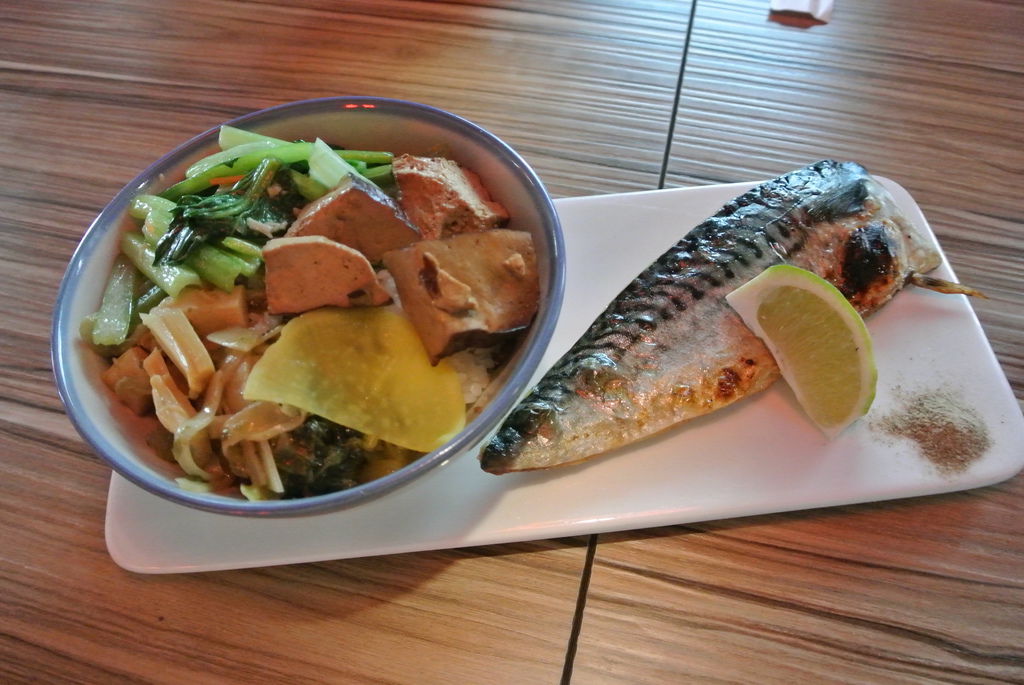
943	286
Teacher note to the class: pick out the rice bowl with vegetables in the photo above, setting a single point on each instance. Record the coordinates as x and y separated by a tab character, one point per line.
296	333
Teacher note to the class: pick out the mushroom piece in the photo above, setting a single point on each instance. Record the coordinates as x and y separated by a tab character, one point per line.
358	214
307	272
467	290
443	198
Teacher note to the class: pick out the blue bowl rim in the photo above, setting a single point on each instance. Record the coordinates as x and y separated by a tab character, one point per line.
64	331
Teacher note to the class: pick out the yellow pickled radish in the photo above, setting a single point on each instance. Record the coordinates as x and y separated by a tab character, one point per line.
364	368
818	339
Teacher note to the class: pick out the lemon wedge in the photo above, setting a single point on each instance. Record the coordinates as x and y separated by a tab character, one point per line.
364	368
818	339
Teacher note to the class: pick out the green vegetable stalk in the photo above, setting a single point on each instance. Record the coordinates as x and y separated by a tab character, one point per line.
113	322
219	267
226	163
172	279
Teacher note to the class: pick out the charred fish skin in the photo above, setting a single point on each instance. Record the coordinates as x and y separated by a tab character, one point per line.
668	348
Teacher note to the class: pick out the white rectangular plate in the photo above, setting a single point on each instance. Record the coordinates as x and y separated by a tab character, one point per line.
758	456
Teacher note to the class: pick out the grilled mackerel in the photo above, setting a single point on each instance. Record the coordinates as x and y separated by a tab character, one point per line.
669	348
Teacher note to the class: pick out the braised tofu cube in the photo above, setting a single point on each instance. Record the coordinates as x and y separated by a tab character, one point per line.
358	214
467	290
307	272
443	198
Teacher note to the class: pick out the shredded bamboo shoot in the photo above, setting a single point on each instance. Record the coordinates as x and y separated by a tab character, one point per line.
179	341
274	483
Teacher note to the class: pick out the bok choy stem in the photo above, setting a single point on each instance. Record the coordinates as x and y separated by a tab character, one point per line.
113	321
171	279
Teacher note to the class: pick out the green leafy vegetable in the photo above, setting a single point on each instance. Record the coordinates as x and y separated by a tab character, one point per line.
320	457
199	220
218	265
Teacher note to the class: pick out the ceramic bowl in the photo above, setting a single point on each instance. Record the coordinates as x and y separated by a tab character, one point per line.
355	122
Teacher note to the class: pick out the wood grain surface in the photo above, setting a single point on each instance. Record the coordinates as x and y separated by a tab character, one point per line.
928	92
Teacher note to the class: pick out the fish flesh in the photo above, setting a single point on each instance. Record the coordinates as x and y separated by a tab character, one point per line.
669	348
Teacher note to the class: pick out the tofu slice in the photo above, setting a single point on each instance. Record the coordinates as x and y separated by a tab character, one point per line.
467	290
358	214
307	272
443	199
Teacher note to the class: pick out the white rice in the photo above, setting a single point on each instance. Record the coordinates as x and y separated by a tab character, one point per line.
474	368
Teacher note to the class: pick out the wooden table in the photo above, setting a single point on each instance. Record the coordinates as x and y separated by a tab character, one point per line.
599	98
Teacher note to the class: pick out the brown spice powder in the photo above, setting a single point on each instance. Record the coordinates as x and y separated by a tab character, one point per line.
948	433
